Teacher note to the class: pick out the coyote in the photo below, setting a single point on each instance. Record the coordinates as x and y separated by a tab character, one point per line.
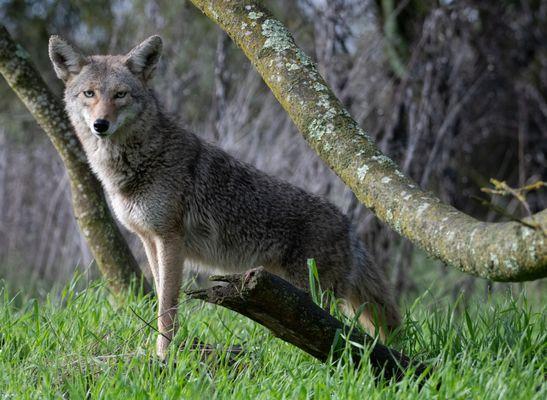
190	201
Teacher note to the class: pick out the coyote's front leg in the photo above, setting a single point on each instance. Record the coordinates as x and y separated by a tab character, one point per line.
151	254
170	265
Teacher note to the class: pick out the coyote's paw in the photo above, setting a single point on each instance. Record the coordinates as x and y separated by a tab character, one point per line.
162	347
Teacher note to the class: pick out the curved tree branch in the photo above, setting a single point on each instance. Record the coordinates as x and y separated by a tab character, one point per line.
109	248
504	251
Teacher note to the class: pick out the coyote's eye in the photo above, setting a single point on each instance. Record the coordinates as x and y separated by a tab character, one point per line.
89	93
120	95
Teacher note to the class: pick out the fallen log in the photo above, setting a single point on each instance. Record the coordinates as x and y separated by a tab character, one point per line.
291	315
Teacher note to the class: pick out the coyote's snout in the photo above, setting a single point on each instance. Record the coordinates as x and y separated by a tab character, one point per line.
190	201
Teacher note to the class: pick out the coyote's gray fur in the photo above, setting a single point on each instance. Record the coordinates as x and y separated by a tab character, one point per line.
188	200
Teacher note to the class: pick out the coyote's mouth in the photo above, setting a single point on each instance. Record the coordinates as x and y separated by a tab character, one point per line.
101	135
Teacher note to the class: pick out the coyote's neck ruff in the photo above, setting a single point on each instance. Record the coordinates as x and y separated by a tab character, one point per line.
188	200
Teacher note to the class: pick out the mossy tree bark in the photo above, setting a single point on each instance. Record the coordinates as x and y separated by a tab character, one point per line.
505	251
109	248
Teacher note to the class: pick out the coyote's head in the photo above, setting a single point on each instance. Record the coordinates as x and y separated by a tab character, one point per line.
105	93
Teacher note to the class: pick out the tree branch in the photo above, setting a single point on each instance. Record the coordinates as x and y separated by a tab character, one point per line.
108	246
505	251
292	316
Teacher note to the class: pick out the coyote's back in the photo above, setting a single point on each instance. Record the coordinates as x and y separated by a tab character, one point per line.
190	201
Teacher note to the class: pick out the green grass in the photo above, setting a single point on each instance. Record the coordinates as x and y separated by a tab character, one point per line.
81	345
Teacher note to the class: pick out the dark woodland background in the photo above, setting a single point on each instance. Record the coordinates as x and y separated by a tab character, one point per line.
454	91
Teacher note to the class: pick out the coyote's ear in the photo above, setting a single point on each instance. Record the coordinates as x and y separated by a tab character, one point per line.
66	60
142	60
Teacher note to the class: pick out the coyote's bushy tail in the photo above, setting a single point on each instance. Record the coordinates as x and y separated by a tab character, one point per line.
369	293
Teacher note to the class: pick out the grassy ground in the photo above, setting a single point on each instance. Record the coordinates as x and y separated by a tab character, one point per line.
79	345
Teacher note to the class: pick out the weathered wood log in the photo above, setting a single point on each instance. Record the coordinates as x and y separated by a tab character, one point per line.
292	316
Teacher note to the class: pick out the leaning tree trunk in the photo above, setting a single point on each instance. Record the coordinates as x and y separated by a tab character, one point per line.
504	251
108	246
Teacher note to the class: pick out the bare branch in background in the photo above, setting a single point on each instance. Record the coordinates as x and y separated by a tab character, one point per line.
220	82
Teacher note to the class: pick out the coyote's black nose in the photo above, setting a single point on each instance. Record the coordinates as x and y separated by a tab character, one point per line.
101	125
